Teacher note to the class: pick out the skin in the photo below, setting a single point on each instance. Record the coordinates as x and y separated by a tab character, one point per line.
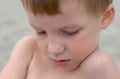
72	36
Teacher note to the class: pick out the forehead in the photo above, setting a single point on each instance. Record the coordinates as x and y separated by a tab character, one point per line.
72	6
72	12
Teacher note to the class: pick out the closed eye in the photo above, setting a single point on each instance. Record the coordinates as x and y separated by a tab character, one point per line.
71	32
41	33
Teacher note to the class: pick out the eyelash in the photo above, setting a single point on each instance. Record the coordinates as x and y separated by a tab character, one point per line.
71	33
65	32
41	33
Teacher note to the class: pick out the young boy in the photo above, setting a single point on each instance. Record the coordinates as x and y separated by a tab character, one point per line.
66	42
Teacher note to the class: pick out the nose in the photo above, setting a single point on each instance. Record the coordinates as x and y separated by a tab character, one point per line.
55	47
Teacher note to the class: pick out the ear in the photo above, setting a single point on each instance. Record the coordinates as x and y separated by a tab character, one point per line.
108	16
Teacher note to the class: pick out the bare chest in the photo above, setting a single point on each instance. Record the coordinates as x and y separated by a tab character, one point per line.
40	75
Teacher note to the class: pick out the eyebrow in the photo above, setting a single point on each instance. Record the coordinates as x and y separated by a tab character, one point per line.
68	26
33	25
71	26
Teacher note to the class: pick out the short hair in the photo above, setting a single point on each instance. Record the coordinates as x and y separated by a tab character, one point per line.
52	7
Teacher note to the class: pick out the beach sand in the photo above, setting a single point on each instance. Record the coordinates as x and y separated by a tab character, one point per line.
14	26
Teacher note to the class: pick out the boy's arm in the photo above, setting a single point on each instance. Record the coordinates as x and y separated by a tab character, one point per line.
19	61
102	67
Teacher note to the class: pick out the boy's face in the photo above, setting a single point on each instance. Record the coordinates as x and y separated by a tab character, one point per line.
67	38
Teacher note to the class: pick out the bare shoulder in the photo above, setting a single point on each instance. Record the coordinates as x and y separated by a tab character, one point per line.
21	56
100	65
28	43
25	47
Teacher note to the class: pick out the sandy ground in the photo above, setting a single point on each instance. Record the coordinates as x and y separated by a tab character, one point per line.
14	26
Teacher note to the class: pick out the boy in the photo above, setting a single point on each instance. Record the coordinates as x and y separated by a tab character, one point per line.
66	42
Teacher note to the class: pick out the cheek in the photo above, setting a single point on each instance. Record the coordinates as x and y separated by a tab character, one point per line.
81	46
42	45
78	49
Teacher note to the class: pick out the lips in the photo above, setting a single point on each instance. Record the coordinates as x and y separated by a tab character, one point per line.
61	63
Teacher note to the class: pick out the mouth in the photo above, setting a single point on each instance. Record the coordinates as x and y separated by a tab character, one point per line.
61	63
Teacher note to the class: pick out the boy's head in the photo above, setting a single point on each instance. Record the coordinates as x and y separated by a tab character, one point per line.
52	7
65	31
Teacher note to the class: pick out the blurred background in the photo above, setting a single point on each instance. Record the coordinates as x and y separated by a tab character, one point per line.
14	26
